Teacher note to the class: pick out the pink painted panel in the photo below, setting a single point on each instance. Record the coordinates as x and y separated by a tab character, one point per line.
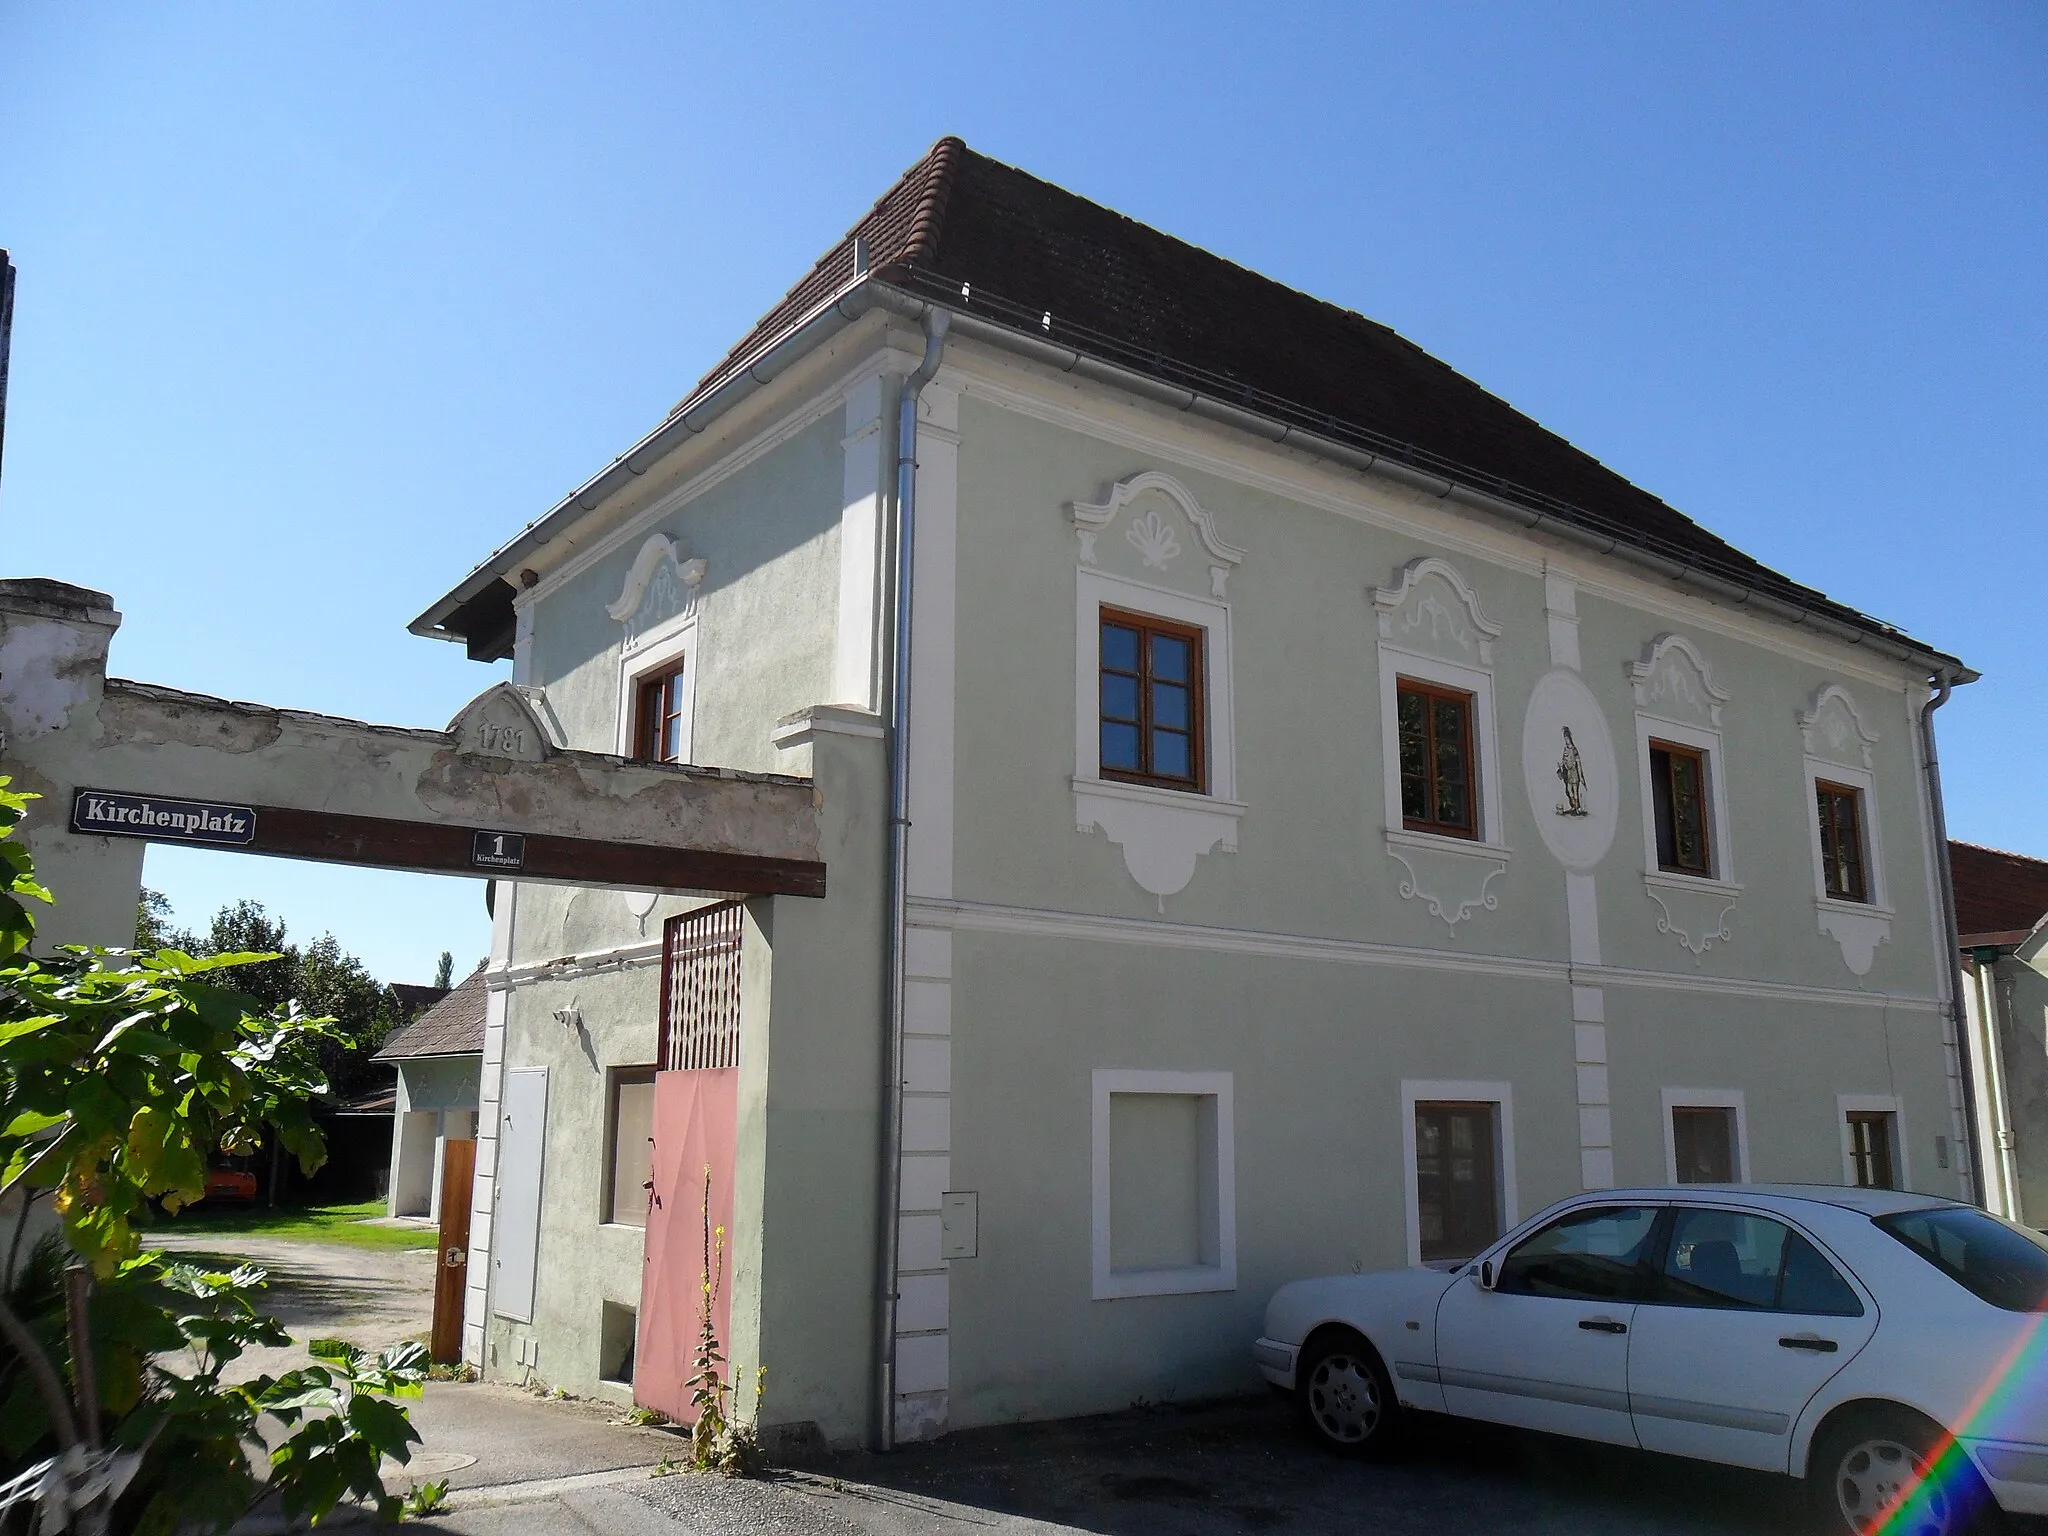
696	1120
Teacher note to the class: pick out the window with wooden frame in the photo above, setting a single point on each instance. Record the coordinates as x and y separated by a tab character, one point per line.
660	716
1457	1198
1678	795
630	1166
1843	867
1703	1143
1151	702
1870	1149
1439	773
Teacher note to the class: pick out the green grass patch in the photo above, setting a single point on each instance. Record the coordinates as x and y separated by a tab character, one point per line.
343	1225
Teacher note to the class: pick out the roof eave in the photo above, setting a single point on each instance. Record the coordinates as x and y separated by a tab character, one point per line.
1072	359
874	289
689	420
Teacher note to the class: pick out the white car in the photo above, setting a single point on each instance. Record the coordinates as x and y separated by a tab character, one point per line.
1853	1337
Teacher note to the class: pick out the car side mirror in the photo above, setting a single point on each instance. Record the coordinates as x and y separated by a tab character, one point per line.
1486	1275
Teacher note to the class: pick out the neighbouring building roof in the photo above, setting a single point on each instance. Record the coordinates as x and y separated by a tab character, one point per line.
452	1027
1045	265
2000	897
416	999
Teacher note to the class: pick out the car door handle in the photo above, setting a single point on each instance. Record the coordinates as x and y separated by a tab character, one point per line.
1810	1341
1602	1325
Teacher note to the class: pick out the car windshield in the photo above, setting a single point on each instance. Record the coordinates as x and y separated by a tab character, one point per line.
2000	1264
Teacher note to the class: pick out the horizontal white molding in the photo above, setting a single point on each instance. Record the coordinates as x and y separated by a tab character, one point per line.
1097	411
989	917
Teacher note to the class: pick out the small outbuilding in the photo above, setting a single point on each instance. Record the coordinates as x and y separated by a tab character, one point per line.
2002	922
439	1057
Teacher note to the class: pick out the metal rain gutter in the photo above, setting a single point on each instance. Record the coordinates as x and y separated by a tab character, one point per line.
1958	1019
1071	360
936	322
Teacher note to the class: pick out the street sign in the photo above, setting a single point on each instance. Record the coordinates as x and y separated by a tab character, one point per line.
498	850
113	814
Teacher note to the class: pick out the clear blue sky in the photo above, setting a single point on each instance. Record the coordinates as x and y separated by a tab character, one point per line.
319	303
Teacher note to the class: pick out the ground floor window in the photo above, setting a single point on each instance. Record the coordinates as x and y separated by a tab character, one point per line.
1872	1133
1457	1186
1703	1145
1164	1183
630	1132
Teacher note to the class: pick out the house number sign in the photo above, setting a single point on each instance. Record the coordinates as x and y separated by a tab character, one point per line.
498	850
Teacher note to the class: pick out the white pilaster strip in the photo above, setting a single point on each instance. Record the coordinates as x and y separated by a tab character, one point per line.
1582	912
856	655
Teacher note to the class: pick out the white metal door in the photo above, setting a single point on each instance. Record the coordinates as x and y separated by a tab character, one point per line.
515	1230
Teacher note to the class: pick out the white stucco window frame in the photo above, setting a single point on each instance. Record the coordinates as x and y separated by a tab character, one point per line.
1847	1104
1706	1098
658	651
1162	831
1396	664
1720	842
1440	1090
1109	1283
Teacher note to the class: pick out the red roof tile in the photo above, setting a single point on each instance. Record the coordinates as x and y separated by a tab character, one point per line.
1997	892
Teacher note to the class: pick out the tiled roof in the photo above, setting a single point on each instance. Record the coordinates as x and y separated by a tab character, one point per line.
1997	892
985	238
452	1027
416	999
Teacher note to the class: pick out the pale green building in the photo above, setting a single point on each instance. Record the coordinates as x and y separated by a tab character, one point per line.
1342	818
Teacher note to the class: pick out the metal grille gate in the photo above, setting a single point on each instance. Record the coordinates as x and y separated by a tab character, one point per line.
700	988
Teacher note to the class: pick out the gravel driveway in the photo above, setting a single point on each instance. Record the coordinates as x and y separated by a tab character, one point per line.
371	1297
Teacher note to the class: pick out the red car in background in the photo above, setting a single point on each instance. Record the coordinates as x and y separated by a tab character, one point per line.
230	1185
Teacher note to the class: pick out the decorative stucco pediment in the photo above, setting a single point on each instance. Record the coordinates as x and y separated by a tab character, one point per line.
1157	511
502	722
1430	608
1834	729
1674	680
660	590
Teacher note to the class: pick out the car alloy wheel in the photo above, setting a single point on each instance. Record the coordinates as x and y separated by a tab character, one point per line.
1344	1398
1882	1484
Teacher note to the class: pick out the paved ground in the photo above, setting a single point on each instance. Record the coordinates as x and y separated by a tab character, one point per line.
322	1290
521	1465
1226	1469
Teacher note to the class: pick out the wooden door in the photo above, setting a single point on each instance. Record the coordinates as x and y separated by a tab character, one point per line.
451	1267
696	1120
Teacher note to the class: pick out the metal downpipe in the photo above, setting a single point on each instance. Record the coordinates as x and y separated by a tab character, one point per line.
1944	684
936	322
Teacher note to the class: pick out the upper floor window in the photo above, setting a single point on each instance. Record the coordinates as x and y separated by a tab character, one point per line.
1151	701
1678	800
1840	809
661	716
1439	771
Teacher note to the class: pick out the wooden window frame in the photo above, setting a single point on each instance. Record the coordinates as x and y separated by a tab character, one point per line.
1666	801
1886	1121
668	684
617	1078
1489	1112
1467	701
1726	1115
1197	641
1827	791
